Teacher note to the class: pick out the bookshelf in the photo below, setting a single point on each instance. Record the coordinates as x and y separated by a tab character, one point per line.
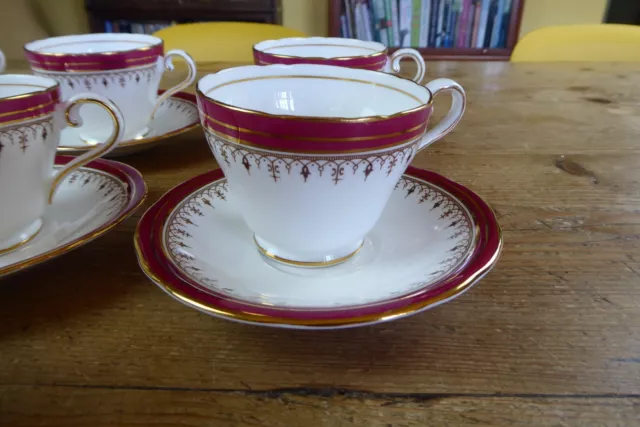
148	16
452	46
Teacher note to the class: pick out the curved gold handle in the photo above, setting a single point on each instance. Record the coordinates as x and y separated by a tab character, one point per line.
73	119
168	64
401	54
453	116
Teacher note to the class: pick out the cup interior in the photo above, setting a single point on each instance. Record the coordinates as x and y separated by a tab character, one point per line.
313	91
92	43
320	47
20	84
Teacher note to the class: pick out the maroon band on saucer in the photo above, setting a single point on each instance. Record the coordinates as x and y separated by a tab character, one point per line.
374	62
29	106
102	61
310	134
159	268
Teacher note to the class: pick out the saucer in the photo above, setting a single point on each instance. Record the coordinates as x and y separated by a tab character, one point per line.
434	240
176	115
87	204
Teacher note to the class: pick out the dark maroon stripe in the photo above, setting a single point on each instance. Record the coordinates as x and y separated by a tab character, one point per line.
96	61
368	63
29	106
289	143
149	243
298	132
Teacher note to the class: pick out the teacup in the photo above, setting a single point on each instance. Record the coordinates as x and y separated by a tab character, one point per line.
342	52
312	153
32	115
126	68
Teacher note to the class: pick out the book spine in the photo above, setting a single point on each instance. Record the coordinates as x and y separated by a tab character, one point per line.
108	28
425	18
463	24
416	20
405	9
357	19
490	21
395	18
482	26
506	18
440	28
381	16
367	21
348	11
455	22
497	24
389	16
433	26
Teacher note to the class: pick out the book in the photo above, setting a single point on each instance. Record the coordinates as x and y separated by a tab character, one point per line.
381	23
351	26
463	24
497	24
395	23
367	22
389	19
493	8
405	9
416	21
425	21
482	24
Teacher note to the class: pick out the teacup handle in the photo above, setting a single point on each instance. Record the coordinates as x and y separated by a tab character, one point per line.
73	119
400	54
168	65
448	122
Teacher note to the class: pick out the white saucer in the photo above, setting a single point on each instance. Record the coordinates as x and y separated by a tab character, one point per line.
176	115
87	204
434	240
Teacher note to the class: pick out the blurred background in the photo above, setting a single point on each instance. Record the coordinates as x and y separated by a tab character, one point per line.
26	20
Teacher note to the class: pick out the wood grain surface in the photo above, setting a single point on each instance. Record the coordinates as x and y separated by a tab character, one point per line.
550	338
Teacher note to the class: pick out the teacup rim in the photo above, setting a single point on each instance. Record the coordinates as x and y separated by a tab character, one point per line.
27	47
372	118
383	52
55	85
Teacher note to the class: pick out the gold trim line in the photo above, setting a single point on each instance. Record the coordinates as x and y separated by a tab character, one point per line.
329	263
23	242
337	58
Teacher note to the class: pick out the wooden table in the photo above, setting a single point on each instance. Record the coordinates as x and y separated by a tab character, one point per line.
550	338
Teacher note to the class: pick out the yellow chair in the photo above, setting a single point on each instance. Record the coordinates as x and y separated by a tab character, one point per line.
598	42
221	41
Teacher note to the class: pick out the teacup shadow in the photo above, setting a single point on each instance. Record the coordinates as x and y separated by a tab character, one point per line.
69	286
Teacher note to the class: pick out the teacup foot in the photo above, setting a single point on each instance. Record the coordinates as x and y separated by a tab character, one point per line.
273	252
21	238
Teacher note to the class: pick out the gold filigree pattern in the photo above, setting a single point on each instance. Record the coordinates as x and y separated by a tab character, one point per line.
310	166
107	186
453	212
102	79
186	108
21	134
179	229
180	220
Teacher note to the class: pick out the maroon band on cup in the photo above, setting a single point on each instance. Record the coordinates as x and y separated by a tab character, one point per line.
29	106
310	135
102	61
369	62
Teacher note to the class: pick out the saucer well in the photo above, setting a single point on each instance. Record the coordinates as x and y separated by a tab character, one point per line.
176	115
87	204
434	240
